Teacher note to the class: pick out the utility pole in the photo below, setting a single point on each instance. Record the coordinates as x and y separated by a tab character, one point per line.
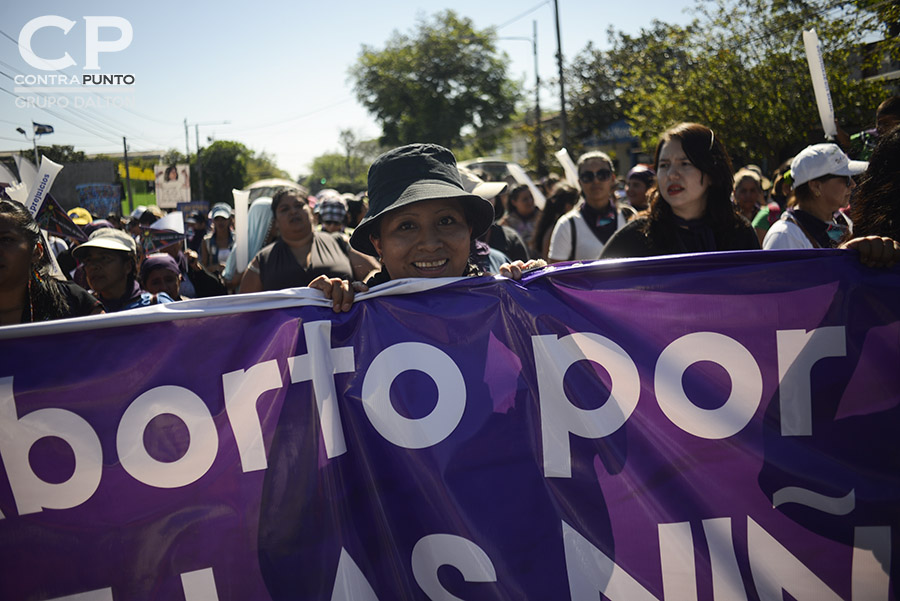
128	177
187	150
197	134
562	87
538	139
199	163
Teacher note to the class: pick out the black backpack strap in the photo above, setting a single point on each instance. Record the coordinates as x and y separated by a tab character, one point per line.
574	237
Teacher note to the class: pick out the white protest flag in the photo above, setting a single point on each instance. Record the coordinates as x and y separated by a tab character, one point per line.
42	184
522	178
820	82
18	193
173	222
27	171
241	229
569	167
55	270
6	176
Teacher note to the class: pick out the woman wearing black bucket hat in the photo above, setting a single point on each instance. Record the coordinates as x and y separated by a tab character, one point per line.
420	222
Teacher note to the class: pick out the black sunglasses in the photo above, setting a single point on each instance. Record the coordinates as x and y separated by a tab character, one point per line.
847	179
588	176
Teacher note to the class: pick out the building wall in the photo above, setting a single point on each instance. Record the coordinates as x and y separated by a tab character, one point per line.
74	174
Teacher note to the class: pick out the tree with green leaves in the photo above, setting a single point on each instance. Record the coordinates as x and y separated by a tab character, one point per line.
739	68
261	165
224	166
58	154
436	84
339	171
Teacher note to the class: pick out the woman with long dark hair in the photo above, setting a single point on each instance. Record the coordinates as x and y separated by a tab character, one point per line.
28	292
691	208
875	210
560	201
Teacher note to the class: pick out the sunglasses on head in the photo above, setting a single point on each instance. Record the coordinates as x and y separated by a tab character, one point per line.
588	176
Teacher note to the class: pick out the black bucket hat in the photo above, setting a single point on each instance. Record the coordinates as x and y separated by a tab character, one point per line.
411	174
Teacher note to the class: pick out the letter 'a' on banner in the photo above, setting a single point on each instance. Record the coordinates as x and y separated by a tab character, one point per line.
820	82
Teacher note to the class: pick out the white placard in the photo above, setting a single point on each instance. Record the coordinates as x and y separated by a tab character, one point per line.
569	167
27	171
241	229
820	82
18	193
522	178
173	222
6	176
42	185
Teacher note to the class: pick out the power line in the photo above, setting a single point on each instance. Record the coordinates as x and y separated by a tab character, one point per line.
58	116
291	119
525	14
112	126
127	109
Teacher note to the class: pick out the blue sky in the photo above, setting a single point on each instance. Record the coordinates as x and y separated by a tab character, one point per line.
277	71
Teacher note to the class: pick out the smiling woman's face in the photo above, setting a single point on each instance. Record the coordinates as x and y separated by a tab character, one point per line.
427	239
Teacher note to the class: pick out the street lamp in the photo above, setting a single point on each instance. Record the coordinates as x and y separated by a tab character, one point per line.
539	140
37	160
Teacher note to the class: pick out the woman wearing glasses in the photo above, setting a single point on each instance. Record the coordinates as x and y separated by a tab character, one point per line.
690	210
110	264
581	233
823	182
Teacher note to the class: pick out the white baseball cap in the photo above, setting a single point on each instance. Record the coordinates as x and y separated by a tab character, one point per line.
823	159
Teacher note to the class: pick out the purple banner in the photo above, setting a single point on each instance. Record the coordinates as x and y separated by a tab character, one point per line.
719	427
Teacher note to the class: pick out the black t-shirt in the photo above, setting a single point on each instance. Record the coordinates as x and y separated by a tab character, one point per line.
508	241
78	303
81	302
632	241
278	268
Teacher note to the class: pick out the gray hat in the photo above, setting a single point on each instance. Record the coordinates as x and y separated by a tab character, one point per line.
411	174
108	239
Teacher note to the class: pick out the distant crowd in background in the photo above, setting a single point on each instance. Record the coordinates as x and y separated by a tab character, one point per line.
432	218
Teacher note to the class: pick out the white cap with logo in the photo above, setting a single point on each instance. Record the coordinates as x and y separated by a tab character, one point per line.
823	159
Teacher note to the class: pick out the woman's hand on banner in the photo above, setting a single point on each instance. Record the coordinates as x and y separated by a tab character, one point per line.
340	292
875	251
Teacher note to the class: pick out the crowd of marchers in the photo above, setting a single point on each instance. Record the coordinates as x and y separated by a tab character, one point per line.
423	215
